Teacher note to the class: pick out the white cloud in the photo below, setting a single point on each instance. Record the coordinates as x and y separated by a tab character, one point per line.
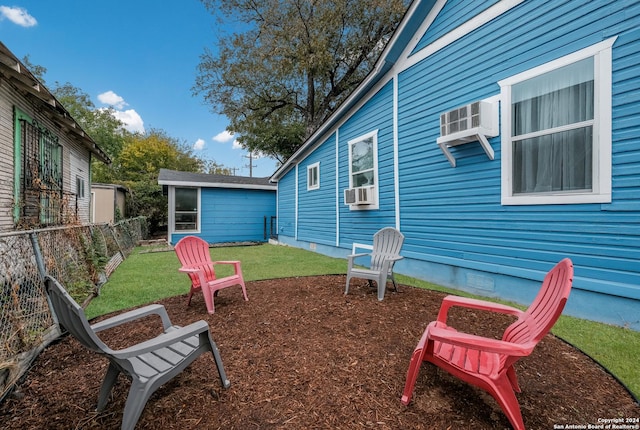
131	120
223	137
17	15
112	99
199	145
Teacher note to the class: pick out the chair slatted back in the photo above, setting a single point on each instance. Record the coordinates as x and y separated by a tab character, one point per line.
546	308
192	250
72	317
386	243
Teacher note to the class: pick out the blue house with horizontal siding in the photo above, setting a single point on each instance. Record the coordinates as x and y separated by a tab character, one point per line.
218	208
500	137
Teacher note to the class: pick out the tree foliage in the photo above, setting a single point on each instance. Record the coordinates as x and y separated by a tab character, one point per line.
139	164
144	155
37	70
295	63
213	168
104	128
136	159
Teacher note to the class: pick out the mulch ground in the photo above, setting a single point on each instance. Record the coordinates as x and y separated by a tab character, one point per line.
301	355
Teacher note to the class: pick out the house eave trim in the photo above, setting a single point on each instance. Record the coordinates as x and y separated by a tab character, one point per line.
217	185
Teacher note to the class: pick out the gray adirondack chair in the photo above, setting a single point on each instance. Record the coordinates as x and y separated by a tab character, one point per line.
387	243
148	364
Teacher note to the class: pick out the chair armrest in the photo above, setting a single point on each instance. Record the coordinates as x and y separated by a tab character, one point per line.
198	270
479	343
389	262
351	259
226	262
235	263
450	301
163	340
190	269
132	316
395	258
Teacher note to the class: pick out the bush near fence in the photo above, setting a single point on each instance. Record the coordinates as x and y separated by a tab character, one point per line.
80	257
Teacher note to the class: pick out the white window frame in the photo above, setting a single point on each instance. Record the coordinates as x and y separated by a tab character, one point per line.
172	211
373	135
80	187
92	203
310	169
601	186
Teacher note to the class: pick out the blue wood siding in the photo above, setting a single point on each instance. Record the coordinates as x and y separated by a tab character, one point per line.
626	125
233	215
376	114
457	231
453	216
287	205
453	14
317	208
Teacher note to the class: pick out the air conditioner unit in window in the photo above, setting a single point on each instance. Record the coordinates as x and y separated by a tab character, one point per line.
473	115
359	196
474	122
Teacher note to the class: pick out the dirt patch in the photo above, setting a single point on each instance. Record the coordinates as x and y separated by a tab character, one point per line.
301	355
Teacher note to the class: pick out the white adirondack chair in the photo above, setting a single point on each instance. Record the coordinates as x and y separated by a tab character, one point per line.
387	243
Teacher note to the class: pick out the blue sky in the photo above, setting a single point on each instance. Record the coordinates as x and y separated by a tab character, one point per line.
139	56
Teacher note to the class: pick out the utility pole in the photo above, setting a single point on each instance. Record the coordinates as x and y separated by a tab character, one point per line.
250	165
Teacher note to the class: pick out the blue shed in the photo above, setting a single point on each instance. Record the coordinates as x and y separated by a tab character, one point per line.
219	208
500	137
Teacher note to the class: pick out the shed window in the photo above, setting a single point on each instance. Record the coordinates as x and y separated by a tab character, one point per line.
557	131
186	209
313	176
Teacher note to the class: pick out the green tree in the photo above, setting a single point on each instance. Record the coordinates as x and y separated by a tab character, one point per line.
213	168
139	164
103	127
37	70
295	63
145	154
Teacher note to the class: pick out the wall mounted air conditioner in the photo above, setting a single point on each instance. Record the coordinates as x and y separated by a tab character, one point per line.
474	115
359	196
473	122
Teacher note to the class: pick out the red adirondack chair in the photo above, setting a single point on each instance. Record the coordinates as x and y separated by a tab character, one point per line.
195	258
488	363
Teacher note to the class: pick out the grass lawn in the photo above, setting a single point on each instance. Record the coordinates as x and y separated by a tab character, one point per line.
145	277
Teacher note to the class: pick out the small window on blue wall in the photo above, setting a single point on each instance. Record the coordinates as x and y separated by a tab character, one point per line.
313	176
186	209
363	171
363	160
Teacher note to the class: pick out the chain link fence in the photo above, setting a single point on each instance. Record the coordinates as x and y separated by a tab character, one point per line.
80	257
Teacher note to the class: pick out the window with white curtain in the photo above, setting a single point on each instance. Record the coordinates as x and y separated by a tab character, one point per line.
556	131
